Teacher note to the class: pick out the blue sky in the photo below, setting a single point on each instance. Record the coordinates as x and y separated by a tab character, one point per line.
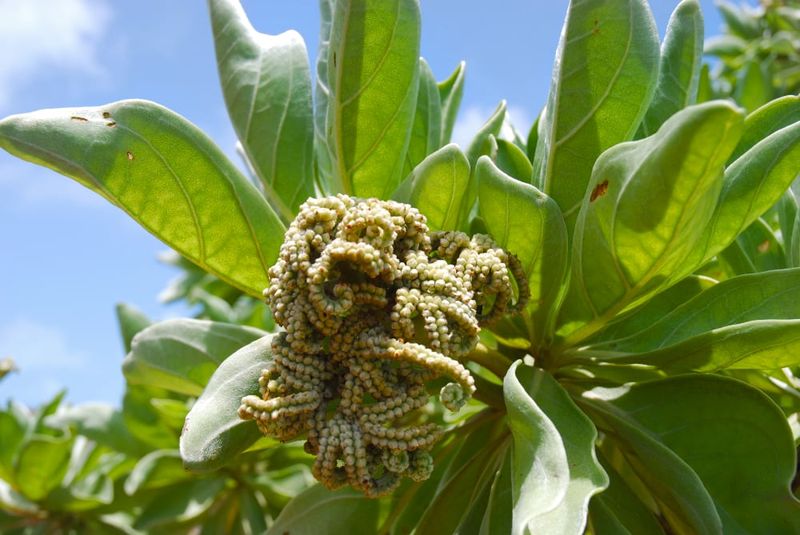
68	257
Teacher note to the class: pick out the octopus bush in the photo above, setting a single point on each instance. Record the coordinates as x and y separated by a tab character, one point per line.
356	284
607	308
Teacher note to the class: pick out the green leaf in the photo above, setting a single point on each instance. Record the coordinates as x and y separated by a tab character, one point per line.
767	120
739	21
13	431
754	88
530	146
466	483
156	469
437	187
450	93
101	423
481	144
529	224
604	76
498	515
181	354
732	436
340	512
679	73
512	160
426	130
705	90
213	433
754	345
681	496
654	309
414	502
142	419
554	466
725	46
323	152
179	503
266	82
760	296
373	73
646	210
761	248
130	320
752	184
41	463
619	510
251	513
135	152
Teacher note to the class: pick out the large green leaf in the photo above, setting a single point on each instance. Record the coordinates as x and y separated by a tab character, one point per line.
450	92
554	467
41	463
678	490
481	143
770	295
647	208
130	321
180	355
679	72
754	345
512	160
341	512
101	423
464	488
13	431
372	73
529	224
166	174
266	82
143	420
323	152
498	516
426	130
436	187
179	503
752	184
754	86
767	120
732	436
604	76
213	433
618	510
156	469
756	249
654	309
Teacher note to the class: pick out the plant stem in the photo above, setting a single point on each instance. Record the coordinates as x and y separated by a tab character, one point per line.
492	360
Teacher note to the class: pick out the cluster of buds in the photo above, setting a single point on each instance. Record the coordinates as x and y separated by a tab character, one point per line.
374	307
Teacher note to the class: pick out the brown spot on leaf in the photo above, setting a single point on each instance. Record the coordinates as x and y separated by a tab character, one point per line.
599	190
130	155
596	27
112	124
763	247
106	115
78	118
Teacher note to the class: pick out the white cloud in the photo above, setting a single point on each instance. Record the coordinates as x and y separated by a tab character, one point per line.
49	34
472	118
34	346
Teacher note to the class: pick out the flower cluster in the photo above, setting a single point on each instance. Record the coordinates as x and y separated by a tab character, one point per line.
374	307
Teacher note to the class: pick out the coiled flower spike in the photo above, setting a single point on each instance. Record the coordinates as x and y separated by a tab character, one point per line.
373	307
